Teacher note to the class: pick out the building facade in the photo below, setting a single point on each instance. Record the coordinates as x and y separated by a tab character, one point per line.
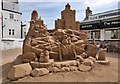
11	25
103	26
11	19
0	27
67	20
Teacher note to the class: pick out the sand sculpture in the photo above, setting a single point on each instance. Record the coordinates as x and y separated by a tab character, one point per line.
63	50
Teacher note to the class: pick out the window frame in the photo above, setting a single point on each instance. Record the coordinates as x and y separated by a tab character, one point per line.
10	33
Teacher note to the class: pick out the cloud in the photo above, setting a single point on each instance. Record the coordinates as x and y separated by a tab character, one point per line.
101	3
50	11
87	3
49	0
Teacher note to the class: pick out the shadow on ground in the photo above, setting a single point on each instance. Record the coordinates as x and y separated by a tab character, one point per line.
5	69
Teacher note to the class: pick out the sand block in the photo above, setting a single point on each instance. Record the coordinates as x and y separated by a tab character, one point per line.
34	64
66	63
73	68
91	50
104	62
79	58
84	68
28	56
92	58
19	71
88	62
67	69
47	64
39	72
102	55
58	65
55	69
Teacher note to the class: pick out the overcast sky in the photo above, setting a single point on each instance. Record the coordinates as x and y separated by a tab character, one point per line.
50	10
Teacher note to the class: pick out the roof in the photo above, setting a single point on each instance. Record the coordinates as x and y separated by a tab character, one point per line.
12	1
105	12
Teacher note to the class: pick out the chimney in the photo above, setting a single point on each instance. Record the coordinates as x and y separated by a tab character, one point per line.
88	12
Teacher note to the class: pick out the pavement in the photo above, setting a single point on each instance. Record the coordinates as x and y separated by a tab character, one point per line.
9	55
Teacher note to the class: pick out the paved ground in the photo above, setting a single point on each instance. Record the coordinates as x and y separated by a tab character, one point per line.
99	73
9	55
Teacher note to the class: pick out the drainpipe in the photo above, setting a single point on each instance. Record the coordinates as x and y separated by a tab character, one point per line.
21	30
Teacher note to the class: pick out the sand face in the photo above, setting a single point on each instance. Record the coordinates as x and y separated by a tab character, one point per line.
99	73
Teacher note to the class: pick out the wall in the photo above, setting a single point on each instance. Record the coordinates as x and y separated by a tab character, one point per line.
10	6
11	44
0	26
14	23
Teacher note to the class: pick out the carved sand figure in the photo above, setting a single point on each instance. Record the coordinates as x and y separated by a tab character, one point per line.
64	50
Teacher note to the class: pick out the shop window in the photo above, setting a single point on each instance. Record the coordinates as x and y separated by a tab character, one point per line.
90	18
114	34
111	34
119	34
94	34
95	17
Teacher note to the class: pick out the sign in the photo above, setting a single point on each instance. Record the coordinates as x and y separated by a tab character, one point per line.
100	25
90	26
111	24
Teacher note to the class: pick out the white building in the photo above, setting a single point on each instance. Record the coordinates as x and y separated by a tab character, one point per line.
0	27
11	25
103	26
11	17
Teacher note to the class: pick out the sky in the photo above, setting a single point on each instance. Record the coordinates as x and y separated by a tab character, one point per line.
50	10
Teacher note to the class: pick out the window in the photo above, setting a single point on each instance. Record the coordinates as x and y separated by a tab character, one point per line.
11	16
90	18
119	34
9	31
111	34
13	32
95	17
94	34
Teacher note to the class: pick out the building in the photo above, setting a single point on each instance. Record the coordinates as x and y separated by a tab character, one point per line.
67	20
11	18
102	26
0	28
11	24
